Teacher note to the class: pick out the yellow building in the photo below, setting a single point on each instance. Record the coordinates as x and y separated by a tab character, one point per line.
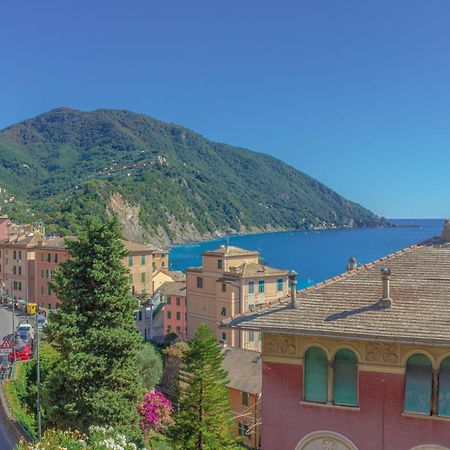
231	281
140	264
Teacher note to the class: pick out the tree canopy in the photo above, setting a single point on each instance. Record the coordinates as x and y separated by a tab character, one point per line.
96	381
204	421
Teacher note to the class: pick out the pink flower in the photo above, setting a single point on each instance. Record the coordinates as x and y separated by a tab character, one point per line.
155	411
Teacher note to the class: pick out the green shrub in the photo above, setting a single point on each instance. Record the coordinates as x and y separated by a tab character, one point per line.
16	393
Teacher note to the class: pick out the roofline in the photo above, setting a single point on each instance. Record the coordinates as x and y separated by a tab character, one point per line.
355	337
265	306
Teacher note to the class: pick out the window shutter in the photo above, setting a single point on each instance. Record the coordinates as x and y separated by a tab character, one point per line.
316	375
345	385
418	382
444	388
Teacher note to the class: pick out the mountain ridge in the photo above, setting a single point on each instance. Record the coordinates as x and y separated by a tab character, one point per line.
166	183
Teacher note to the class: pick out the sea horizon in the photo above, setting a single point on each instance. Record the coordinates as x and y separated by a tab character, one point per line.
316	255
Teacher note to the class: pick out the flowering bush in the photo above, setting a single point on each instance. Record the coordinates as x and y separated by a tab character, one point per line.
155	411
99	438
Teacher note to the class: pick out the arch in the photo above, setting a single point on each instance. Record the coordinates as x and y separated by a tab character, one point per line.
317	344
347	347
319	440
444	388
345	383
430	447
418	384
315	387
408	355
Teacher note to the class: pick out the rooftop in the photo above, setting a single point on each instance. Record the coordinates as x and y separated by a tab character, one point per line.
136	247
244	369
229	250
173	288
348	305
252	270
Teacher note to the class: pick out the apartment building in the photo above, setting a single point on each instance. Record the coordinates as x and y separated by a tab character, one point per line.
49	254
17	255
140	264
231	281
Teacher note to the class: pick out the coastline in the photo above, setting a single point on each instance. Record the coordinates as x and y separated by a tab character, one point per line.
220	235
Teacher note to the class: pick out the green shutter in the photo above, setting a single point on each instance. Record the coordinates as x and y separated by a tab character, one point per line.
444	388
345	384
418	382
316	375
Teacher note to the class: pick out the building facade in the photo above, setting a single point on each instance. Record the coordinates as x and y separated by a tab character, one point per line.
244	392
173	296
49	254
362	361
231	281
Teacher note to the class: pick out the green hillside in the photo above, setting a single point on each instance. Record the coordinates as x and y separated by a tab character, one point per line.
164	181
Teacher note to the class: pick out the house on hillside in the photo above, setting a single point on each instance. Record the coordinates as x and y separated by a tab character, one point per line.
361	361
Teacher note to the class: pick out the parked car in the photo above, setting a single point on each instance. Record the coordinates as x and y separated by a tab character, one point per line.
26	333
22	350
42	321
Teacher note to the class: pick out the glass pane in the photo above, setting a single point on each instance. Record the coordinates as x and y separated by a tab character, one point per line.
444	388
316	375
345	386
418	383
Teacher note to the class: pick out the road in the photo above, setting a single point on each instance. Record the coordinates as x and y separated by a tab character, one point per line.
7	439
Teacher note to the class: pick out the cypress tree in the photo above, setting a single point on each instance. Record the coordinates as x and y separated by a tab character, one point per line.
204	420
96	381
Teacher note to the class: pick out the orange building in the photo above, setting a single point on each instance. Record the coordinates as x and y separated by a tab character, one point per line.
244	392
17	266
49	254
231	281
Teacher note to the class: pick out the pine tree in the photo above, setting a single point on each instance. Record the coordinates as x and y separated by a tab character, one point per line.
96	382
204	420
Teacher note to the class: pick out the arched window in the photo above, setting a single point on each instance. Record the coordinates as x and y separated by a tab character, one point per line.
345	383
418	384
444	388
316	375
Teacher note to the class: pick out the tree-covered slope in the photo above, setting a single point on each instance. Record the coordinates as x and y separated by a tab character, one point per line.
162	180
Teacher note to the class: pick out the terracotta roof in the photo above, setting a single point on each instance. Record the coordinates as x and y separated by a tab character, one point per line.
136	247
252	270
229	250
173	288
58	242
21	240
348	305
176	275
244	369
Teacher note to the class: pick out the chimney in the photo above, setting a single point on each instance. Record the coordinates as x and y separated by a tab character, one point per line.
385	280
292	277
445	236
352	263
4	227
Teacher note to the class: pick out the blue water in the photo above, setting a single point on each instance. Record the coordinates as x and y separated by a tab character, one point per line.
316	255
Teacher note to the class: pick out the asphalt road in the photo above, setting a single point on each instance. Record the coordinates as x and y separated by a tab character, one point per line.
7	439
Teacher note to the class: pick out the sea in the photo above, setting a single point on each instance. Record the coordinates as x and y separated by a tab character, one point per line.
319	254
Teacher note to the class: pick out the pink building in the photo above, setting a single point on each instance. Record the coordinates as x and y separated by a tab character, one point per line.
49	254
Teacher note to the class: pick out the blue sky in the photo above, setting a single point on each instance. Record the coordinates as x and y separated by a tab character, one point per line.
354	93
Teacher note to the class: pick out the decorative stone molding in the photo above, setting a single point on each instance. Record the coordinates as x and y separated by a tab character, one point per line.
329	444
430	447
382	353
284	344
325	440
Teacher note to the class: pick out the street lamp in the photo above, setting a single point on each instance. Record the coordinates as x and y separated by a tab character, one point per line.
38	380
